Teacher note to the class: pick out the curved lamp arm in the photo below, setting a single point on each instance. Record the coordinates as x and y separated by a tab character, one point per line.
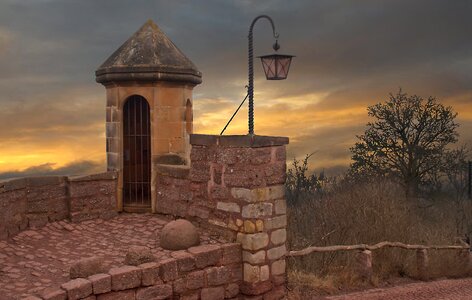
250	89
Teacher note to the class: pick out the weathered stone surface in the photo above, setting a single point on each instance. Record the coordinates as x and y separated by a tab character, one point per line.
255	288
162	291
121	295
85	267
276	222
101	283
77	288
265	273
168	269
277	252
53	294
206	255
257	210
232	290
228	206
125	277
253	241
254	273
150	273
364	264
185	261
259	194
231	253
137	255
278	237
278	267
254	258
178	235
213	293
280	207
195	280
218	275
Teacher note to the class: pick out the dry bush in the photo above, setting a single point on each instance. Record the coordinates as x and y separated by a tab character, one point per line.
369	213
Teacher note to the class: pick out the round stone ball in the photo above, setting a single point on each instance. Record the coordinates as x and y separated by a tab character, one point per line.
179	235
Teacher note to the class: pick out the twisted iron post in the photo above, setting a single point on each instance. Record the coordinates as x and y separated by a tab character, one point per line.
250	89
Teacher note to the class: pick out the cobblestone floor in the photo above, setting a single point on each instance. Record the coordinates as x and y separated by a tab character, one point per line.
37	259
453	289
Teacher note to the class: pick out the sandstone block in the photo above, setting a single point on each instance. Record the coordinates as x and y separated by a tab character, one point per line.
218	275
255	288
253	241
168	269
137	255
162	291
249	227
259	194
280	207
213	293
206	255
179	235
257	210
232	290
121	295
149	273
276	222
278	236
101	283
126	277
278	267
231	253
265	273
77	288
86	267
54	294
228	206
254	258
185	261
277	252
195	280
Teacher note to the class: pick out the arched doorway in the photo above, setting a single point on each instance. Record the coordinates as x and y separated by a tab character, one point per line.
136	154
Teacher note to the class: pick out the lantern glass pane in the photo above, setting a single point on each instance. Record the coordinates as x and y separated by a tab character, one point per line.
268	63
283	64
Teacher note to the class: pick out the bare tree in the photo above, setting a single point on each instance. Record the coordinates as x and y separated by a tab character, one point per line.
407	140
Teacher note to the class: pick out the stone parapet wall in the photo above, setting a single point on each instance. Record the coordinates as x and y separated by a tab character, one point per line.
211	272
35	201
235	188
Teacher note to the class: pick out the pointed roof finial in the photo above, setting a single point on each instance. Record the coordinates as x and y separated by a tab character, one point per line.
148	55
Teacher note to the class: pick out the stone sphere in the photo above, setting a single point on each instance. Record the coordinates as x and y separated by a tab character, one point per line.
179	235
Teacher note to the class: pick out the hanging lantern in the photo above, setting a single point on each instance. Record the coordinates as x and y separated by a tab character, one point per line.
276	66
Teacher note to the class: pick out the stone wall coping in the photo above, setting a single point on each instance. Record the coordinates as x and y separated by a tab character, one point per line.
35	181
111	175
243	141
176	171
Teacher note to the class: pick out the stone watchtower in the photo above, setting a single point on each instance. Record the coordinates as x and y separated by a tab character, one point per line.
149	84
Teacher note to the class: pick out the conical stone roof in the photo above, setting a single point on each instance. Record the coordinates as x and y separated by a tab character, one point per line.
148	55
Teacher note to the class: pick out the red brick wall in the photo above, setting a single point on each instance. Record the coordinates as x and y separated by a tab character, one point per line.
35	201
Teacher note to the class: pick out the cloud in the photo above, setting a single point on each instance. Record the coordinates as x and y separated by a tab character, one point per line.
349	55
74	168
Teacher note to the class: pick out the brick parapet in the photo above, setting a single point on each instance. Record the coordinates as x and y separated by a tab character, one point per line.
35	201
203	272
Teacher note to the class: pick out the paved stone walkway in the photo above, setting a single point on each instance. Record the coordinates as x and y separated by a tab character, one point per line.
37	259
452	289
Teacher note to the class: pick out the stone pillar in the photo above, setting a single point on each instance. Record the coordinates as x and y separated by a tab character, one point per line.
238	182
422	264
364	264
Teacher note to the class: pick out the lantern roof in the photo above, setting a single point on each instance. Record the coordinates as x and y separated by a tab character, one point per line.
148	55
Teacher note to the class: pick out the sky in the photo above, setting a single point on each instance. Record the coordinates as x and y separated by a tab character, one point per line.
349	55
